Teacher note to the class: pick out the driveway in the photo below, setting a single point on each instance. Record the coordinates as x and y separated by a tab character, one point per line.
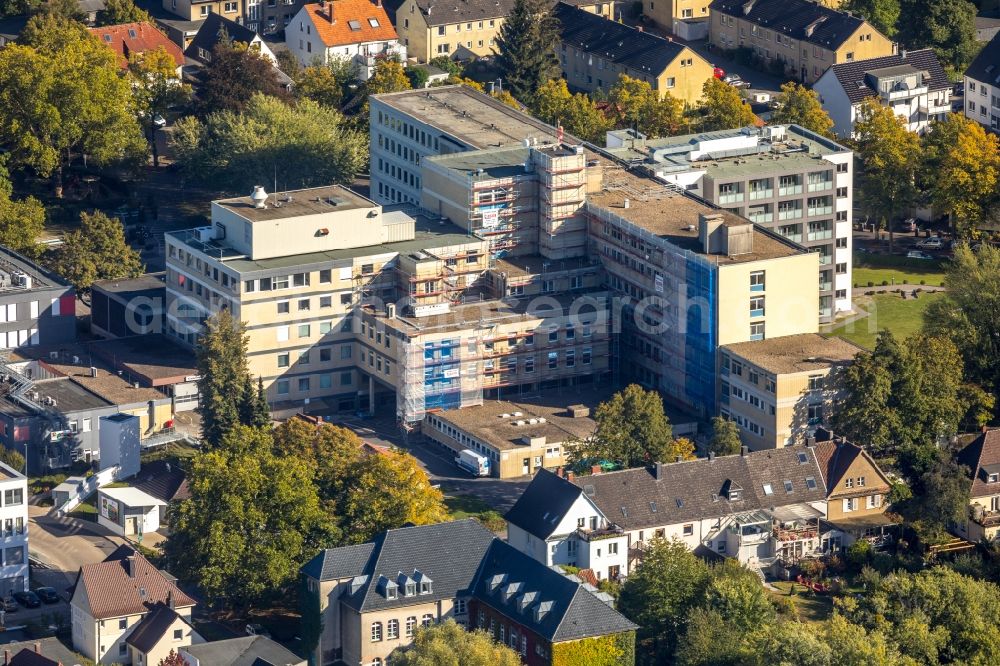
759	80
63	545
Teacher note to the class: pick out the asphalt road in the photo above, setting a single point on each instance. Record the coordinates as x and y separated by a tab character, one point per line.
63	545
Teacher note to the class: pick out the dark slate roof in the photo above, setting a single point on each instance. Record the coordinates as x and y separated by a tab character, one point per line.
28	657
11	27
163	480
243	651
857	86
619	43
208	34
52	650
543	504
573	611
334	563
698	489
391	7
792	17
986	66
446	12
447	553
980	457
150	630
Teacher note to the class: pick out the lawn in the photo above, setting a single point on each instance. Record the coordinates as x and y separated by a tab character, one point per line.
886	311
469	506
809	608
876	268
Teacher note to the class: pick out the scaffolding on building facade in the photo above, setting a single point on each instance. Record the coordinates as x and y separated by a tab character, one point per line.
440	374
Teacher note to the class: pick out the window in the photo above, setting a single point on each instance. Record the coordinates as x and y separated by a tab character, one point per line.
757	306
283	360
768	490
811	483
325	276
373	22
757	281
757	331
392	629
123	623
376	631
461	605
86	425
850	504
122	648
303	384
861	482
848	482
816	382
815	414
426	620
178	634
411	624
284	307
612	549
304	330
689	529
788	486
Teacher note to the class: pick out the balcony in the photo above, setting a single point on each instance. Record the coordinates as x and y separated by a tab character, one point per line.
890	96
788	190
789	214
760	217
730	198
984	517
609	532
795	533
821	186
756	195
823	234
825	286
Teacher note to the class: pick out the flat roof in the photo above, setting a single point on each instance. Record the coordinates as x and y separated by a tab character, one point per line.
496	163
485	422
538	265
157	359
150	282
795	353
296	203
41	278
69	396
131	496
674	217
429	233
475	118
491	312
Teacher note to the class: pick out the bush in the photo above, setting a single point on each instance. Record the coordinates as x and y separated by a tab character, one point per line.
493	521
871	284
418	77
869	578
923	282
786	606
858	553
885	283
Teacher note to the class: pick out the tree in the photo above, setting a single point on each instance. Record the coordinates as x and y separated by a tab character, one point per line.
526	48
388	76
18	7
935	144
331	452
302	146
13	459
801	106
325	84
172	659
254	410
940	498
448	644
722	107
888	158
577	114
22	221
882	14
233	76
966	314
116	12
65	96
96	251
224	376
736	594
64	9
854	646
967	178
632	430
638	106
709	641
418	77
155	86
725	437
661	592
386	491
252	520
947	26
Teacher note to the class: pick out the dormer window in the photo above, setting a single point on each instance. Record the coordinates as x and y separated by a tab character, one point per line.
734	496
411	589
425	587
993	478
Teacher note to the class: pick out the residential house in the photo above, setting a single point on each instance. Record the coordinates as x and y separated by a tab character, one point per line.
595	52
432	28
39	652
782	177
981	459
37	307
163	630
128	511
805	36
133	39
762	508
262	16
780	390
354	30
982	87
117	597
911	83
14	534
679	16
372	596
214	29
542	613
241	651
857	493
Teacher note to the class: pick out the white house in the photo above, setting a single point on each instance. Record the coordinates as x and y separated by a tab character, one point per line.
14	535
982	87
128	511
356	30
911	83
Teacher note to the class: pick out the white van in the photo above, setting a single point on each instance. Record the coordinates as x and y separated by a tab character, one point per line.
472	462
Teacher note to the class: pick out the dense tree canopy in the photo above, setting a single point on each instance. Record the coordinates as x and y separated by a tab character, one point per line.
632	430
966	174
253	519
448	644
633	103
62	95
330	452
96	251
577	114
882	14
722	107
947	26
116	12
325	84
234	75
302	146
22	221
725	437
801	106
526	48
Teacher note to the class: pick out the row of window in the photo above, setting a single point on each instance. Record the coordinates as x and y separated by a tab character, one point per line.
305	304
443	29
305	384
854	503
305	356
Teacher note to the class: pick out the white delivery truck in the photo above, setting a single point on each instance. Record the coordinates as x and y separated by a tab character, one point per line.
472	462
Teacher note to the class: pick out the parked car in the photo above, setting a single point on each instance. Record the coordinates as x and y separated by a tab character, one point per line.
9	605
48	595
909	224
159	121
932	243
736	81
917	254
718	72
28	599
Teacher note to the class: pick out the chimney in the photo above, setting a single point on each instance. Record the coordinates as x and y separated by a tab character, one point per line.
711	456
658	471
333	19
129	563
677	458
6	657
569	475
639	28
38	648
985	429
595	469
170	599
744	450
810	441
559	472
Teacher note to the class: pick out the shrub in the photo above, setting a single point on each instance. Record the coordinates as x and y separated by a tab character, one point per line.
493	521
859	552
885	283
786	606
923	282
871	284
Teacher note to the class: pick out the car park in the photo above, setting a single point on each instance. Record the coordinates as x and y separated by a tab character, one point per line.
736	81
932	243
917	254
28	599
48	595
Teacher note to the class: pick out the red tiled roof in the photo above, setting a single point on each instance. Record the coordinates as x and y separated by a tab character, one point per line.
982	457
835	455
126	584
129	38
352	22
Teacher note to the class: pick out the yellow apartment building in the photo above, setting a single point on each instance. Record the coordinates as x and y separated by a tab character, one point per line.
780	389
430	29
595	52
667	12
806	36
